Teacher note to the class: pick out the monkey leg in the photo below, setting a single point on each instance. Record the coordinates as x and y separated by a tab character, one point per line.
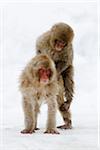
51	122
67	119
66	115
29	114
69	87
36	115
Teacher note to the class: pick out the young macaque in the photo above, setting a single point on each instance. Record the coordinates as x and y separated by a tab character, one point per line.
38	82
57	43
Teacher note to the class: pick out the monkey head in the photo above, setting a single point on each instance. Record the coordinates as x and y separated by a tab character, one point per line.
44	69
61	35
44	74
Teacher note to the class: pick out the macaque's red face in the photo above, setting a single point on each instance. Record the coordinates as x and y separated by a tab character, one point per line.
44	75
59	45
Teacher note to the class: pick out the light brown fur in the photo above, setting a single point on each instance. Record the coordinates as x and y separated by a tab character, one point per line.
63	61
34	93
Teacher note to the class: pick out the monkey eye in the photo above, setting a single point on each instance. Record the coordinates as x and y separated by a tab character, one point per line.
49	72
41	70
56	40
63	42
60	41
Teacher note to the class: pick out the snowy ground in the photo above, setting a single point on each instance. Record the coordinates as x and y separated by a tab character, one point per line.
23	23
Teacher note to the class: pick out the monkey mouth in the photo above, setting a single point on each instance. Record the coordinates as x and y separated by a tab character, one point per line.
44	81
59	45
59	48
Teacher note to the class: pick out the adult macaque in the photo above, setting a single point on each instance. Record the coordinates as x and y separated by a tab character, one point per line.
57	43
39	81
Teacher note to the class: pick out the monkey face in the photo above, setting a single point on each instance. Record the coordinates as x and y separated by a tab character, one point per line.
61	35
44	69
44	75
59	45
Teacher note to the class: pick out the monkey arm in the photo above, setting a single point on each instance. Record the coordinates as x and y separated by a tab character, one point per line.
61	66
63	63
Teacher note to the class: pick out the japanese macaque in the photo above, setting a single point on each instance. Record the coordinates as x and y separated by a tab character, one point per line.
38	82
57	43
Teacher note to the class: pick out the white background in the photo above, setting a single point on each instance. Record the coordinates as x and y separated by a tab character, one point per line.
22	24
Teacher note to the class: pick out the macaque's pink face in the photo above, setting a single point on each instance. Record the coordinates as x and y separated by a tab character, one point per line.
44	75
59	45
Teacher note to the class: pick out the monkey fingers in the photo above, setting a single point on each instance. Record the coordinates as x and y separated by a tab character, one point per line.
26	131
51	131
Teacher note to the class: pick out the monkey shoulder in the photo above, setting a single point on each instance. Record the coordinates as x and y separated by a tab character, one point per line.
26	79
42	42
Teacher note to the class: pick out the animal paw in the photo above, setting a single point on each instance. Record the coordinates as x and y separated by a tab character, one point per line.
65	126
51	131
27	131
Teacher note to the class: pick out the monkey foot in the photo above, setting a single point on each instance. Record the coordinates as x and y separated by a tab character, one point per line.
65	126
51	131
26	131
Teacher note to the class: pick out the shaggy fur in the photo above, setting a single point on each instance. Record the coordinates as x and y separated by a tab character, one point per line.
34	93
63	61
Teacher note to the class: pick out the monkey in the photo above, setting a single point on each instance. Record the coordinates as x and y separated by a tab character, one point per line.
38	83
57	43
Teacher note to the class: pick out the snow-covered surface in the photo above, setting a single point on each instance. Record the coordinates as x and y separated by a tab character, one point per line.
30	1
22	24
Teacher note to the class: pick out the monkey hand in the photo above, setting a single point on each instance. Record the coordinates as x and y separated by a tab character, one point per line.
65	106
61	66
52	131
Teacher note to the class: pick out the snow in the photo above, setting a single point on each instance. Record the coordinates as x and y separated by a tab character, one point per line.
22	24
31	1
